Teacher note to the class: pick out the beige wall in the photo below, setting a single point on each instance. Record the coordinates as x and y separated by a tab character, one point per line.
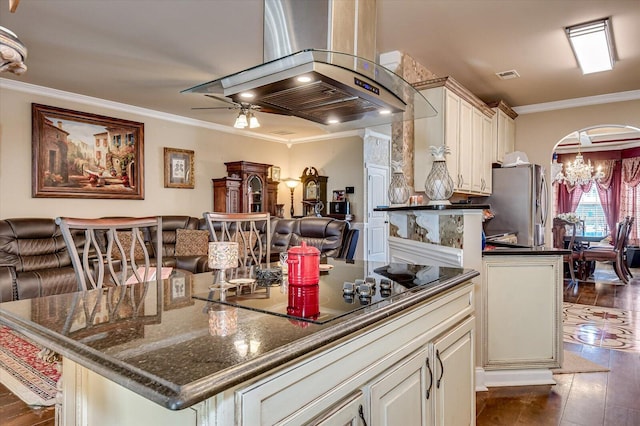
212	148
537	134
342	160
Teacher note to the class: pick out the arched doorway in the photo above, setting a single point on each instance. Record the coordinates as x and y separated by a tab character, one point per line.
614	151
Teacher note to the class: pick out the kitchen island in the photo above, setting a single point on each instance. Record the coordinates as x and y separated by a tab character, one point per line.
148	355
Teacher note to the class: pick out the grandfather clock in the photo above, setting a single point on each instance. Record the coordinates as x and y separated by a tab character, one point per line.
314	192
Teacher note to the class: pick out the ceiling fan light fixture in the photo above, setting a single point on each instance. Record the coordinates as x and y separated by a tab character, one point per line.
253	121
241	121
592	45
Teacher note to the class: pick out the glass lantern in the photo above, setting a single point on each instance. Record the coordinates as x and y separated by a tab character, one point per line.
439	185
399	191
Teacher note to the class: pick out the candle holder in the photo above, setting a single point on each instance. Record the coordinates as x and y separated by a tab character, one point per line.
222	256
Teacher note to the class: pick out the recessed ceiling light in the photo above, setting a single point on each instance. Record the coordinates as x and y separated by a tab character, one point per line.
384	111
304	79
246	95
332	121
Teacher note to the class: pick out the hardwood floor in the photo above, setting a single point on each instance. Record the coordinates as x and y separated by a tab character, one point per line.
14	412
603	399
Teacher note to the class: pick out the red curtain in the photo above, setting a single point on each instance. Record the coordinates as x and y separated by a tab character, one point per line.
630	195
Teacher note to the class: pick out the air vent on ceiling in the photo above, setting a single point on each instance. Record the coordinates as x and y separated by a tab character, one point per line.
282	132
507	75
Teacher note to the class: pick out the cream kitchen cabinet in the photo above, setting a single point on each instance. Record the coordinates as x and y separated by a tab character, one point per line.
416	369
522	299
504	130
458	125
481	152
425	388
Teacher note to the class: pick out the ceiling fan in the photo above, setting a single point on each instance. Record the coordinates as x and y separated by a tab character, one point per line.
246	116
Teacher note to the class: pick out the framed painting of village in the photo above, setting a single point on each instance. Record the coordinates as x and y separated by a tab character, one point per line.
81	155
178	168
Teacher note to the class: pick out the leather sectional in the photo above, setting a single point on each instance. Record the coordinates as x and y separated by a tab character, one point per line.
34	260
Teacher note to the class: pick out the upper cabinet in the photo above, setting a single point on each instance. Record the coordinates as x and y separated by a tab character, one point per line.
463	123
504	129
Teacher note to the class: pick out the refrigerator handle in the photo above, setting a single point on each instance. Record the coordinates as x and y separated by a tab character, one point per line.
544	197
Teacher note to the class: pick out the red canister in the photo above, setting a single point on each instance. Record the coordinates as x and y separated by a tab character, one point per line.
304	301
304	265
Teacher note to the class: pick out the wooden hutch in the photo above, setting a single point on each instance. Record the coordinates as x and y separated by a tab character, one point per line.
245	189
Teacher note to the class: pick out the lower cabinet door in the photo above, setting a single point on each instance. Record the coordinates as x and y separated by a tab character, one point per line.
349	412
454	371
400	396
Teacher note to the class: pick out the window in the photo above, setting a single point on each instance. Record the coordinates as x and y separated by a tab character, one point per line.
590	212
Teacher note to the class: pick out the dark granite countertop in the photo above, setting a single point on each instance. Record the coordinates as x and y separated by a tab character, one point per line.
506	249
176	350
436	208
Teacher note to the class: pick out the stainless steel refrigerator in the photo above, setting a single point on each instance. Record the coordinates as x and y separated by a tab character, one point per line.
519	201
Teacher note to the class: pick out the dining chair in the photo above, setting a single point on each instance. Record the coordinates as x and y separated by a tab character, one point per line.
243	228
574	258
614	254
112	251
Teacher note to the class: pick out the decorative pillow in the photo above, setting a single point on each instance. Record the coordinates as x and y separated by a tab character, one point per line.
192	242
125	240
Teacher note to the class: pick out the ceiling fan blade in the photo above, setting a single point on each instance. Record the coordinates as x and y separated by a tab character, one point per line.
222	99
228	108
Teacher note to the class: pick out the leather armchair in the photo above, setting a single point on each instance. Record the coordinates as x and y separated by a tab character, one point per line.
34	258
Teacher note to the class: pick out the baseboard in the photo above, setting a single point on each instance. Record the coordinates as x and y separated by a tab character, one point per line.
539	376
480	380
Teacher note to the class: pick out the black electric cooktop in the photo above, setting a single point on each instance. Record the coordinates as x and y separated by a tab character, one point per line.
343	289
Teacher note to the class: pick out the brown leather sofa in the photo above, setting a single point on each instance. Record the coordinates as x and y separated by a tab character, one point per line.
333	237
34	260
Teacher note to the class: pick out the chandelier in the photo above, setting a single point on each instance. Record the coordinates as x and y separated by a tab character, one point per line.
579	172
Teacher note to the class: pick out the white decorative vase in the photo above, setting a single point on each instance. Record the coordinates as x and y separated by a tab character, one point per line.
439	185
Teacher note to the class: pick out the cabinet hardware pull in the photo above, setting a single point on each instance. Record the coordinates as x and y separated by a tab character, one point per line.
430	378
441	369
361	414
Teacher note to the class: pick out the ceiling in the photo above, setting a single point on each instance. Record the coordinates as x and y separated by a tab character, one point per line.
144	52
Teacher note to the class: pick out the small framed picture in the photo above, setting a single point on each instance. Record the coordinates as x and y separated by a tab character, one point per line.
275	173
338	195
178	168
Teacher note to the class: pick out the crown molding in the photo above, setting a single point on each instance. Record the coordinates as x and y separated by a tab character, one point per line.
608	98
20	86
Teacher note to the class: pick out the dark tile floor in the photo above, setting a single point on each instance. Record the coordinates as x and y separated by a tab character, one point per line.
603	399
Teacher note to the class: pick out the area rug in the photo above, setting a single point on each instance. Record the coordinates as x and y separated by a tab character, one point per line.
574	363
23	373
608	328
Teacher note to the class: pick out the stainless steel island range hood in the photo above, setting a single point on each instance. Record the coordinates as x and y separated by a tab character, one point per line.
339	91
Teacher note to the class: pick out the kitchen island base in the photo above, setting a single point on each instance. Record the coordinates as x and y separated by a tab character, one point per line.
420	361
